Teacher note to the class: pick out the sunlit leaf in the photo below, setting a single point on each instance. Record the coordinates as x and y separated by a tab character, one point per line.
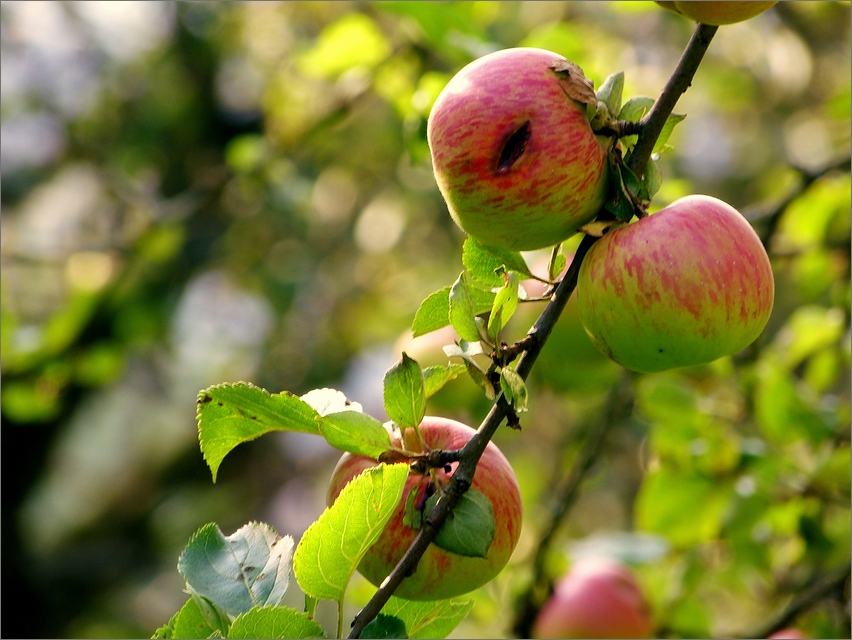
405	392
437	376
334	544
355	432
433	313
275	622
435	619
230	414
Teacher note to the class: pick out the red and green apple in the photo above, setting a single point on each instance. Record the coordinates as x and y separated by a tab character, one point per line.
440	574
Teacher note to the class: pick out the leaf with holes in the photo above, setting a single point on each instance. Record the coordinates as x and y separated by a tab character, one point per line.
247	569
230	414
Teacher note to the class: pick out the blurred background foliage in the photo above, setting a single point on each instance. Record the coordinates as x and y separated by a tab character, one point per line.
202	192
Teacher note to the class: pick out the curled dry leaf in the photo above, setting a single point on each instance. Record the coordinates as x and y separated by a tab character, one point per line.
574	82
600	227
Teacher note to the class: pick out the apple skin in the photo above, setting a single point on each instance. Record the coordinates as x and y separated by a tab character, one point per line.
717	13
441	574
598	598
790	633
557	184
684	286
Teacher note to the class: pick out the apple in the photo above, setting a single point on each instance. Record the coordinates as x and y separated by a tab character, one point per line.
791	633
440	574
514	157
717	13
684	286
598	598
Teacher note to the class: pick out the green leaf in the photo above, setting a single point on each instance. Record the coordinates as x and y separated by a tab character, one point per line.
385	626
332	547
504	307
355	432
436	377
310	606
618	203
247	569
514	389
634	110
275	622
213	616
481	379
483	263
230	414
651	180
671	122
433	314
189	622
462	312
405	392
425	619
466	351
610	92
557	265
470	528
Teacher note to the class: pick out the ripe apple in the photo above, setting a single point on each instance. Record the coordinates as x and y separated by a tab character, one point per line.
598	598
717	13
684	286
790	633
514	157
440	574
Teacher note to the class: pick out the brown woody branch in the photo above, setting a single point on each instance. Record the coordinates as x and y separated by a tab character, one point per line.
829	585
650	128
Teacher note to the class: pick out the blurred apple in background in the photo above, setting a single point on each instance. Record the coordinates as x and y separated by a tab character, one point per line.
598	598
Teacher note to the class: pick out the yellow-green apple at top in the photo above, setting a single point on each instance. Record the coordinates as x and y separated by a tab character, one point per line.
684	286
514	156
717	13
440	574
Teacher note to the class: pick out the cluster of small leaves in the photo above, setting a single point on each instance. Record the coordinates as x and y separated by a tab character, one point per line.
479	305
629	194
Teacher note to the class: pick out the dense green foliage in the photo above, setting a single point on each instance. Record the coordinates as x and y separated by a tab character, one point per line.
203	192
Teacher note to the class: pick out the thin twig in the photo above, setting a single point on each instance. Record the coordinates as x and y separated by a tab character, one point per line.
680	80
619	405
650	129
822	588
